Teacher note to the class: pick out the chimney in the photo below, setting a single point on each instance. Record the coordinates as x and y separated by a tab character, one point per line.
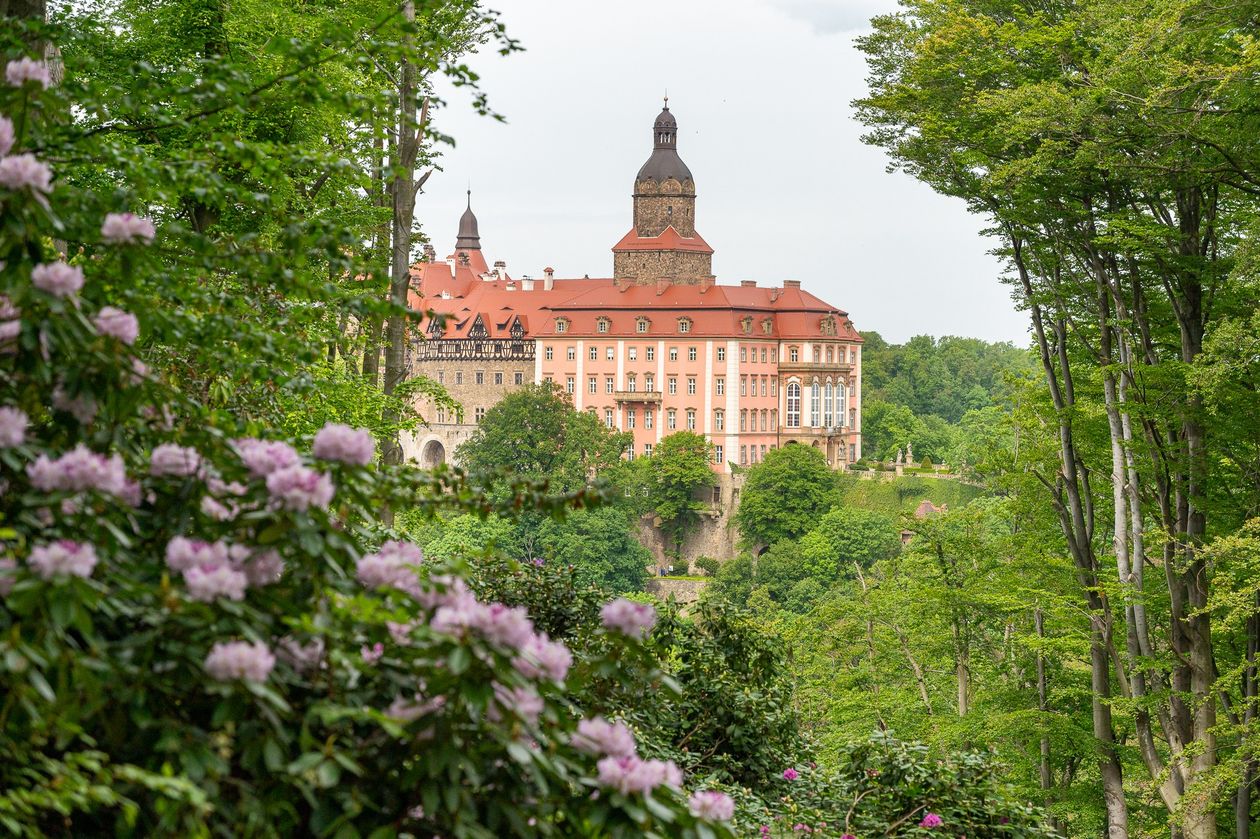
430	255
791	283
662	283
774	294
549	272
527	284
747	283
706	283
511	286
500	268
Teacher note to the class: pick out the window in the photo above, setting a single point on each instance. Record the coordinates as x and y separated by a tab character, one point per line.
743	385
828	401
691	419
610	384
481	377
641	326
630	419
691	384
721	353
774	355
548	379
632	383
633	353
592	385
852	452
852	417
647	451
852	356
611	353
479	414
763	355
691	353
649	382
441	415
743	455
813	404
593	353
651	353
630	451
608	417
793	405
719	421
673	353
459	377
648	417
717	458
569	353
763	451
743	420
671	419
601	325
774	387
562	325
743	353
794	354
518	378
568	384
673	384
442	376
774	419
765	380
765	416
719	386
817	354
840	403
829	358
684	325
498	378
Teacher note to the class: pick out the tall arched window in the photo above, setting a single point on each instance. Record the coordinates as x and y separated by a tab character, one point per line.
815	397
827	396
793	405
840	403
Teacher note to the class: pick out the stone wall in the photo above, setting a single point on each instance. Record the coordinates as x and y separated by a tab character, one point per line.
646	267
436	443
684	591
714	535
670	203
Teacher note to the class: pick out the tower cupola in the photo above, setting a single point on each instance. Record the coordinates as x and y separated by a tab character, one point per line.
468	239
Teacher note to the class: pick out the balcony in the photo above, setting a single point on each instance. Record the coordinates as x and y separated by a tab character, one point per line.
637	395
837	368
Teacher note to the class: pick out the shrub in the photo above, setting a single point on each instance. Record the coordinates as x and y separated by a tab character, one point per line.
708	565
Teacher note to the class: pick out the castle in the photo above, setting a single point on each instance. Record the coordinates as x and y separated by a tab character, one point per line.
660	346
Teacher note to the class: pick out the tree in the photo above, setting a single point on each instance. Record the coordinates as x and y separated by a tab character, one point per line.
534	433
680	466
846	537
601	547
785	495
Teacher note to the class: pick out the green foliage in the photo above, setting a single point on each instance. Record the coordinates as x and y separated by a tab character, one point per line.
785	495
708	565
846	537
678	468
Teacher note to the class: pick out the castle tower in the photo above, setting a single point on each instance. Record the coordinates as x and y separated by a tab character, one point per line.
468	242
663	244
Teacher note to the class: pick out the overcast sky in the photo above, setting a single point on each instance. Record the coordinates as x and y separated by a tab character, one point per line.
786	189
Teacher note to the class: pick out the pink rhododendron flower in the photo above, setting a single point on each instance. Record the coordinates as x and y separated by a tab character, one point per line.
240	660
791	774
212	508
77	470
931	820
75	559
10	326
407	710
23	70
372	654
82	407
13	423
712	805
629	618
392	566
629	775
507	626
299	488
262	457
173	460
213	580
263	568
344	444
57	278
598	736
522	701
301	657
183	554
7	136
541	656
115	323
8	575
400	633
24	171
126	229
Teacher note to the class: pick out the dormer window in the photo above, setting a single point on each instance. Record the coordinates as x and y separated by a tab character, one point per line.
828	325
684	324
641	325
767	325
562	325
746	324
602	324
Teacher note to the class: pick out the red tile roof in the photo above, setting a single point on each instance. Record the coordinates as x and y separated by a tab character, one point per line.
669	240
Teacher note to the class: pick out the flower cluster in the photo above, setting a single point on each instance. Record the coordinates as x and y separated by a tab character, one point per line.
13	423
63	557
170	459
57	279
79	470
127	229
113	322
631	619
344	444
240	660
393	566
712	805
632	774
262	457
299	488
598	736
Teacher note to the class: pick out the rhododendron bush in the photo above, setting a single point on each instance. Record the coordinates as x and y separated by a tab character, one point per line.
203	628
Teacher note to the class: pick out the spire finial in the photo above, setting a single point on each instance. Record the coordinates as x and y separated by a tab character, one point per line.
667	99
469	197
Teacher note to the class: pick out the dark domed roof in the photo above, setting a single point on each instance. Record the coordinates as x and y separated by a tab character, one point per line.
664	162
468	237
